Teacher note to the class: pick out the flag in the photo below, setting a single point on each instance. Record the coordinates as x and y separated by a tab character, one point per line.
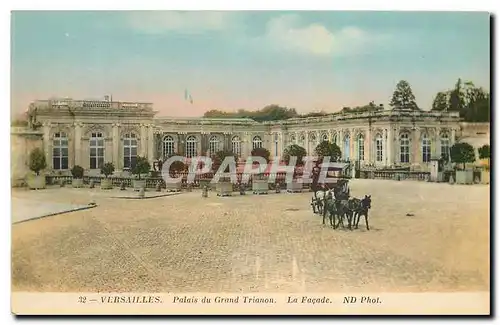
187	96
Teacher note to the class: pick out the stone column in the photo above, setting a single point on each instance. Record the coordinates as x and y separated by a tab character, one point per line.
340	143
144	141
368	146
78	144
151	145
181	144
116	145
47	144
452	140
416	156
352	145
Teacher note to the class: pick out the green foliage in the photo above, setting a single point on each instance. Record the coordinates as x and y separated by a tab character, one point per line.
294	150
462	152
440	102
261	152
77	171
370	107
108	169
328	149
268	113
219	157
403	97
141	166
37	160
484	152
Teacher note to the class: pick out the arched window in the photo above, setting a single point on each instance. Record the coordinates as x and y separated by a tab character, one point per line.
213	145
236	146
426	148
361	147
96	150
445	145
347	147
168	147
293	139
379	153
334	138
302	139
324	137
191	144
60	151
257	142
129	150
312	138
404	148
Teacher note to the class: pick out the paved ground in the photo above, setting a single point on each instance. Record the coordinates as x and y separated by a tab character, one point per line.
254	243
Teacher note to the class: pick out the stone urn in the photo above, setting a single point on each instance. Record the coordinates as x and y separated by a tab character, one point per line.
35	182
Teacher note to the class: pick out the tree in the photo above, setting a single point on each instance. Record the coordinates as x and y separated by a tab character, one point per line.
440	102
261	152
328	149
403	97
108	169
294	150
219	157
462	152
456	98
77	171
37	161
141	166
484	153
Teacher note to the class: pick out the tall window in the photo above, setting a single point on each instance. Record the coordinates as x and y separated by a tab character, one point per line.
379	148
404	148
168	147
445	145
335	138
60	151
361	147
213	145
324	137
129	150
293	139
426	148
312	138
302	139
96	150
347	142
276	143
191	145
257	142
236	146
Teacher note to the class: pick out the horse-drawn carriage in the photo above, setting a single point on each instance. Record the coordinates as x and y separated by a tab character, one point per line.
336	184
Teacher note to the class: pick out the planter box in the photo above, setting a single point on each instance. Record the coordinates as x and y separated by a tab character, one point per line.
224	188
138	184
260	186
205	182
36	182
173	186
464	177
294	187
77	182
485	177
106	184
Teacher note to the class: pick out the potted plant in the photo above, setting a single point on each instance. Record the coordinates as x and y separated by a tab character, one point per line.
37	163
484	153
107	169
141	166
463	153
224	187
77	172
299	152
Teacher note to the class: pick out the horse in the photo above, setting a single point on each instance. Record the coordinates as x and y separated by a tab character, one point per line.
361	208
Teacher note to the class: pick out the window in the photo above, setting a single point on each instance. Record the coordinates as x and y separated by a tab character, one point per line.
257	142
96	150
191	145
168	147
334	138
347	145
361	147
213	145
445	145
312	138
379	148
404	147
293	139
426	148
60	151
276	142
236	146
324	137
302	139
129	150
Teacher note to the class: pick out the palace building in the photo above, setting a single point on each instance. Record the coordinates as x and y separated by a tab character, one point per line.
90	133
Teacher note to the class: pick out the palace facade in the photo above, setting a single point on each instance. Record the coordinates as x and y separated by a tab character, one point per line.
90	133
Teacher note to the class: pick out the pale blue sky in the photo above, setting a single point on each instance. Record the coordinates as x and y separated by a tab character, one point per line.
231	60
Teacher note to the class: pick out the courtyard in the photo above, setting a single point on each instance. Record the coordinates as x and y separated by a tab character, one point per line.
423	237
